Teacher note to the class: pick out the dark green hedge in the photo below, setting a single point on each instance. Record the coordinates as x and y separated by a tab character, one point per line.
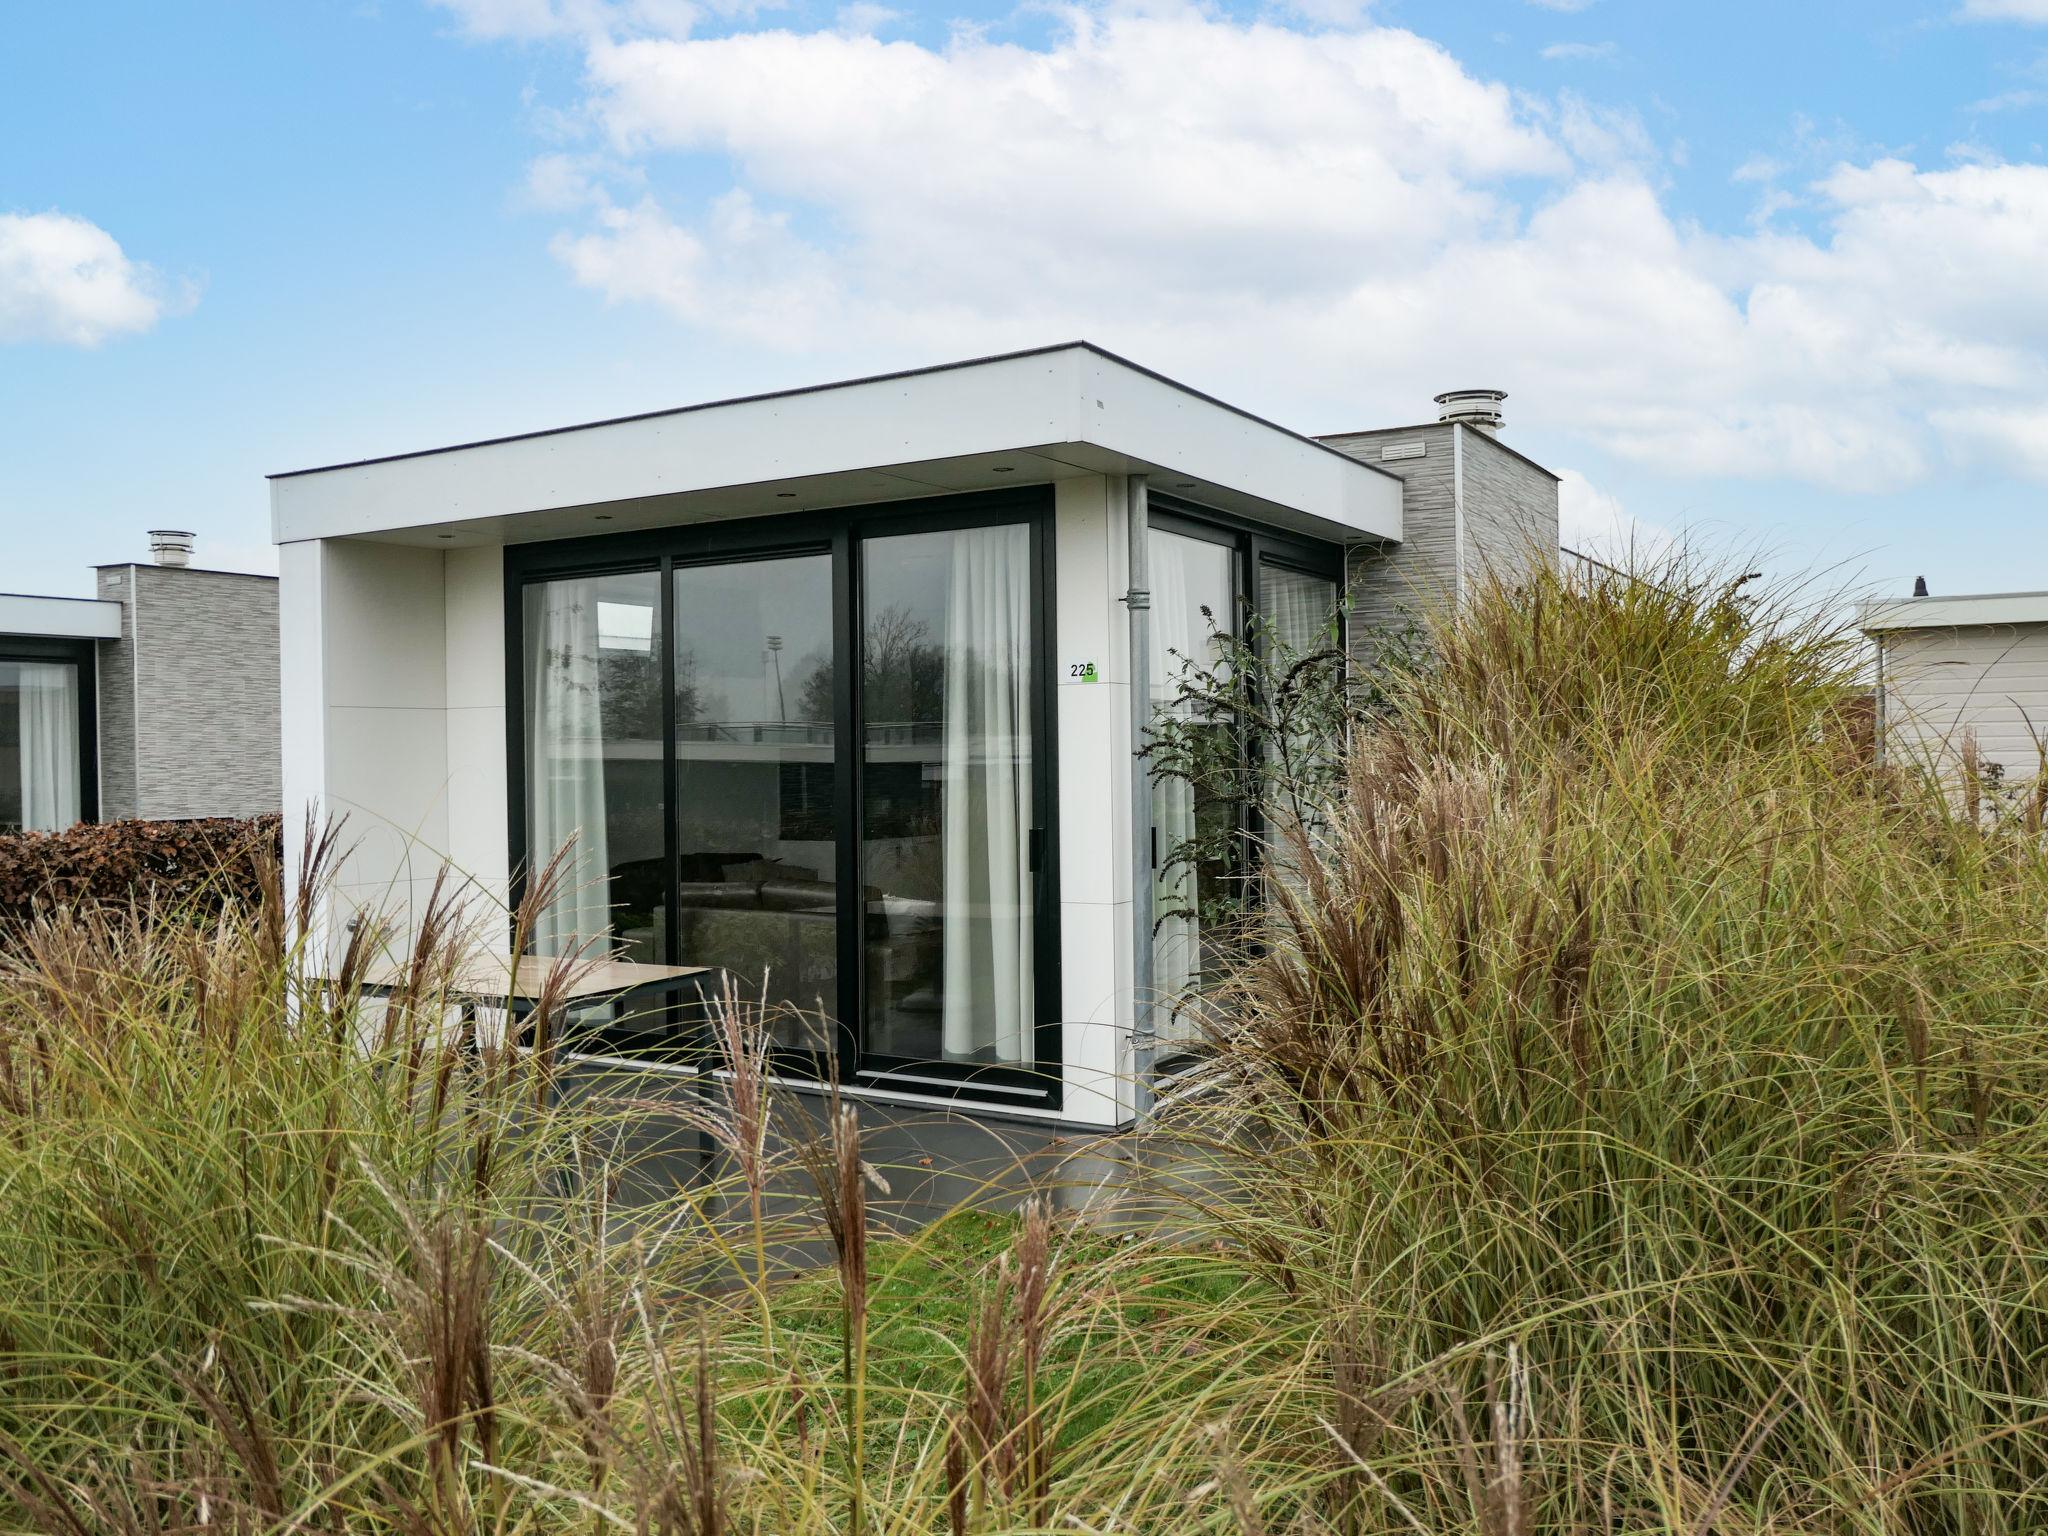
195	864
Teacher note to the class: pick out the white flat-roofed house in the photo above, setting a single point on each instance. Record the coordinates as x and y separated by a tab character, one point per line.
834	685
1957	672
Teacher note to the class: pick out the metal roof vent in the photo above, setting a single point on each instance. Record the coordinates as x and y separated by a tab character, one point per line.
170	546
1473	407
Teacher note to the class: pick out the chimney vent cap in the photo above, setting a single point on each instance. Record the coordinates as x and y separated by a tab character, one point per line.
1473	407
171	546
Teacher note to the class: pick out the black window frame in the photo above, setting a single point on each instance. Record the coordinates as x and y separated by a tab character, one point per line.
838	532
84	655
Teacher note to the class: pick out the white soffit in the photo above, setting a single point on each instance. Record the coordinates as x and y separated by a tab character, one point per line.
1027	418
1955	612
59	618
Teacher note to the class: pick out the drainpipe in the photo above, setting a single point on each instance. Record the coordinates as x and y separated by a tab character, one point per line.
1144	1041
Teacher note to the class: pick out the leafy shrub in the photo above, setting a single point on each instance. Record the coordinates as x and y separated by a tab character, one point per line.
194	866
1256	732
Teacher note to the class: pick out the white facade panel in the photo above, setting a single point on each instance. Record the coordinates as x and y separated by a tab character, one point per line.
474	587
302	705
1094	777
474	593
59	618
1987	680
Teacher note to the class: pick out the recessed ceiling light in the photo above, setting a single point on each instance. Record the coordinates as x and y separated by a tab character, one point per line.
444	535
604	517
786	495
1183	485
1005	469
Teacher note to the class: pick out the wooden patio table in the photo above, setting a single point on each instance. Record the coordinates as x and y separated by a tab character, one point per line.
498	984
497	978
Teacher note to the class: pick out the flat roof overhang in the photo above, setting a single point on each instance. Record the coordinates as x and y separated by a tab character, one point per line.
1961	612
1023	418
59	618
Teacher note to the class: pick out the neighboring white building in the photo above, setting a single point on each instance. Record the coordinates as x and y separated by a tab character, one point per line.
1957	668
837	683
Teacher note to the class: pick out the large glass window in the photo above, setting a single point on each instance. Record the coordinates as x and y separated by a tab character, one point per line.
756	841
1207	582
946	699
1194	602
814	765
594	759
39	734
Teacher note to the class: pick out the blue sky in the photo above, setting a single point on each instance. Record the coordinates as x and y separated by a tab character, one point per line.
1772	275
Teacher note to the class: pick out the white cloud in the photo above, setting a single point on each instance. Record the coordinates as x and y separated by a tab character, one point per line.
864	18
525	18
1568	6
2006	10
562	183
530	20
1593	522
64	279
1580	53
2013	439
1170	147
1294	219
2009	101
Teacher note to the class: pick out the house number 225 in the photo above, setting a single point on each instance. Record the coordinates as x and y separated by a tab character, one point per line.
1081	671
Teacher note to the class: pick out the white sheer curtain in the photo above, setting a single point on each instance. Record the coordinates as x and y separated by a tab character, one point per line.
565	761
987	797
49	745
1299	608
1177	627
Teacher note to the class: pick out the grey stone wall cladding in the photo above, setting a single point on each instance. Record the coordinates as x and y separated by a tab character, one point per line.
198	661
1510	510
1386	583
1509	516
116	668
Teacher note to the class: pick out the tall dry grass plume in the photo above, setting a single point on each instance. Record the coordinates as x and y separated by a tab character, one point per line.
1626	1022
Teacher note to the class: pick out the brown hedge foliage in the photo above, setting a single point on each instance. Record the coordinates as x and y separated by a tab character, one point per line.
198	865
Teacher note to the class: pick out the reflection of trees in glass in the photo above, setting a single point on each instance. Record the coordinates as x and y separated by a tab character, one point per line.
903	670
629	693
694	700
810	697
902	673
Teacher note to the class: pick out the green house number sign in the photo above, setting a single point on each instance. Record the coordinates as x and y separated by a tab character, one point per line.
1081	671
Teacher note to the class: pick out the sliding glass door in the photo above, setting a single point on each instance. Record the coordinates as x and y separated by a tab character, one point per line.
41	785
756	848
947	797
814	757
